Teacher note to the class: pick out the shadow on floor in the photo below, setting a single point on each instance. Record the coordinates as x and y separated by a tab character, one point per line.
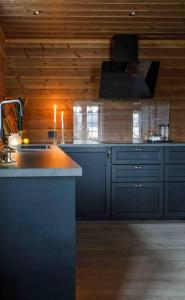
117	260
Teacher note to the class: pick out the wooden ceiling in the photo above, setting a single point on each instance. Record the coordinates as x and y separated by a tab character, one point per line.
91	18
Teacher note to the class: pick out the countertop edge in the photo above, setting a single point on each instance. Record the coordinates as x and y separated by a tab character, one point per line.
63	146
72	172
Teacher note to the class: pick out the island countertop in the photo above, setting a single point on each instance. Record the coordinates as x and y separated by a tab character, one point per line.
41	163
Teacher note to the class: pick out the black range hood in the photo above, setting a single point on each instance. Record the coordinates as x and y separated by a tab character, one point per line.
124	77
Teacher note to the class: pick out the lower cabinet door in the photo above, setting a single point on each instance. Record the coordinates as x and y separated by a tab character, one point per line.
137	200
174	204
92	188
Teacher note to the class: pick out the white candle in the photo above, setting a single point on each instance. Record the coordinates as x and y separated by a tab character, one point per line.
55	114
62	119
14	140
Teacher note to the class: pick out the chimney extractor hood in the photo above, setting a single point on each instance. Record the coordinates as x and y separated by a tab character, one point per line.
125	77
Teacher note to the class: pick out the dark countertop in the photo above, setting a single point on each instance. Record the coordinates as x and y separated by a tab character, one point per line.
41	163
89	143
54	161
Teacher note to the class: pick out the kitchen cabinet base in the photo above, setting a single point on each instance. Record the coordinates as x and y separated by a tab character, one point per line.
37	237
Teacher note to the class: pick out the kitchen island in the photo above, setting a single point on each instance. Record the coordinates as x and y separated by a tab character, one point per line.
37	226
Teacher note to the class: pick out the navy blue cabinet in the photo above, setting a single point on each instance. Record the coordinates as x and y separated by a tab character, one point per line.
93	187
175	172
138	155
139	173
137	182
175	155
174	201
137	201
130	181
174	205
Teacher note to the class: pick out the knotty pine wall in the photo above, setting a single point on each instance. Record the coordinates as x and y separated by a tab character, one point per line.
48	72
2	65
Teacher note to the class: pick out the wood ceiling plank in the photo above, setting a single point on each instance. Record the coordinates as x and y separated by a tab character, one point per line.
96	19
92	27
152	36
53	6
95	24
178	12
93	33
93	18
144	34
59	2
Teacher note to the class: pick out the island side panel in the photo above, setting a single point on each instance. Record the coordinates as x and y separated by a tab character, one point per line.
37	238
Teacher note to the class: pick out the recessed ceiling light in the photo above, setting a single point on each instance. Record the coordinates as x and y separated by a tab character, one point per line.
37	12
132	13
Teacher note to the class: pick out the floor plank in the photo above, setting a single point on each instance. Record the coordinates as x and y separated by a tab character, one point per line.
130	261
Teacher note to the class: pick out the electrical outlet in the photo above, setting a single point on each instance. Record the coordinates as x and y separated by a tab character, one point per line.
51	133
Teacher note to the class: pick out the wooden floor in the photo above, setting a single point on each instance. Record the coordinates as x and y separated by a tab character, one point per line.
130	261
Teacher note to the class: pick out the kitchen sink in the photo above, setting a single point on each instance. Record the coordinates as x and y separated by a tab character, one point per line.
34	147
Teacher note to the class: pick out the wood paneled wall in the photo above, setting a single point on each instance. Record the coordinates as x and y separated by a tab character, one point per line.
2	64
48	72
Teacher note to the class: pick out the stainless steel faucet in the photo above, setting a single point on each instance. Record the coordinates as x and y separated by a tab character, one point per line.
1	114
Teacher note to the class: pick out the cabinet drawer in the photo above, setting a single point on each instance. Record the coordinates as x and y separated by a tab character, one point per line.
139	173
137	200
175	155
137	155
175	173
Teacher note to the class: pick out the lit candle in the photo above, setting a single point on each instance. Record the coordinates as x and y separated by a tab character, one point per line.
14	140
55	114
62	119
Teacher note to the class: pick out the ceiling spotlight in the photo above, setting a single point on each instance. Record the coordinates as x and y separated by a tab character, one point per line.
37	12
132	13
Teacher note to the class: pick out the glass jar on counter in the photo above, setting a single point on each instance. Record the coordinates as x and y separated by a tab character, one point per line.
14	140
